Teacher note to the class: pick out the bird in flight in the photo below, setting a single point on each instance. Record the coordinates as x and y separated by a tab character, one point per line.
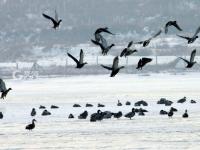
100	30
172	23
56	22
191	62
103	45
4	91
193	38
142	62
146	42
128	51
79	63
115	68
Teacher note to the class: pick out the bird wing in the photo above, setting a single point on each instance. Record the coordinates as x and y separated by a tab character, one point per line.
157	34
130	44
185	60
184	37
106	67
115	62
103	42
197	31
123	52
2	86
107	31
97	37
192	55
56	16
99	44
81	56
50	18
146	60
166	27
139	64
141	42
177	27
95	42
72	57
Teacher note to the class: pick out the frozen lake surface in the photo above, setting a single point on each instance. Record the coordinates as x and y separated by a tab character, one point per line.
149	132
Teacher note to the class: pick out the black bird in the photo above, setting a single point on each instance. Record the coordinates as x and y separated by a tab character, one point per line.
142	62
100	30
42	107
107	114
79	63
193	101
163	112
96	116
127	51
76	105
142	102
31	126
83	115
88	105
33	112
4	91
100	105
141	113
174	109
172	23
115	69
191	62
146	42
182	100
117	115
56	22
54	107
171	113
185	115
128	103
1	115
46	113
71	116
103	45
193	38
130	114
119	103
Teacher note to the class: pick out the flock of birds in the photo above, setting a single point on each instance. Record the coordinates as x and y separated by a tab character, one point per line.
101	115
105	47
100	41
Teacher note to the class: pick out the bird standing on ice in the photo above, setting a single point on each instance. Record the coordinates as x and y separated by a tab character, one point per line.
31	126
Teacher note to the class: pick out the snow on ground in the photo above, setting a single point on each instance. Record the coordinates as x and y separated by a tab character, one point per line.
95	88
150	132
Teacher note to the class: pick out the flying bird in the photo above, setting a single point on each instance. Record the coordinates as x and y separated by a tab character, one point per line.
146	42
103	45
4	91
115	68
128	51
191	62
172	23
56	22
31	126
79	63
193	38
142	62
